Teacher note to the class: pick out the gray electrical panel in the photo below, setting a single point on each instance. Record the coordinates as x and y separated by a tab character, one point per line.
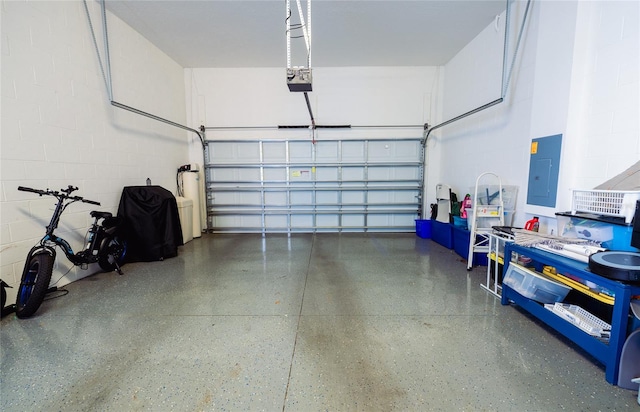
544	167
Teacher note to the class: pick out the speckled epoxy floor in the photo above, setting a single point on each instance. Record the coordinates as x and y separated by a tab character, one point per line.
326	322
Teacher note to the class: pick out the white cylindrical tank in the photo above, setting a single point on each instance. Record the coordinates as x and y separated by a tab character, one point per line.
185	212
191	190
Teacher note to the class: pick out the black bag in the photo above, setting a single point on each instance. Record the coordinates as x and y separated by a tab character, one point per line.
9	309
4	292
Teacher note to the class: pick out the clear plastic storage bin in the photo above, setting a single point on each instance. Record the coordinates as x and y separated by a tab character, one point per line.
534	285
488	195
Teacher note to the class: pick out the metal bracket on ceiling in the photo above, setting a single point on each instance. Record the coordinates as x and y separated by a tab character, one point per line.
106	74
299	77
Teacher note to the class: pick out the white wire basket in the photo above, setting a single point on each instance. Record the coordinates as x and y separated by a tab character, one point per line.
606	202
579	317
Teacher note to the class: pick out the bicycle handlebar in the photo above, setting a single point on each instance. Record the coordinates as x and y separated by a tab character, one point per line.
59	195
28	189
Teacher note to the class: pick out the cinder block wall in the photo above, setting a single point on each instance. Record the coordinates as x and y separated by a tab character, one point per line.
59	128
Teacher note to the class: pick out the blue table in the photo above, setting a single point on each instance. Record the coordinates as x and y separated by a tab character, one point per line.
608	354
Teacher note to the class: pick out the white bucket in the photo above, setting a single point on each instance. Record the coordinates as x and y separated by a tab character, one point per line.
191	187
185	213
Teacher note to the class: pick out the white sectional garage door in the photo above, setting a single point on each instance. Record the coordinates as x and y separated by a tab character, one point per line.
300	186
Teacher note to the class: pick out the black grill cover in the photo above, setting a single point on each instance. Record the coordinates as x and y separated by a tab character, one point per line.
150	223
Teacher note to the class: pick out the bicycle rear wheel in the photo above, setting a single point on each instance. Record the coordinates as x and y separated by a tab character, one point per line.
112	253
34	284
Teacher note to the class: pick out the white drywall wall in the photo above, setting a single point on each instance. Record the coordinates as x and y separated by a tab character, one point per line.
362	96
357	96
576	74
605	95
59	129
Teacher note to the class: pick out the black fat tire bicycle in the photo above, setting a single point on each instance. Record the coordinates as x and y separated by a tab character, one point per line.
103	246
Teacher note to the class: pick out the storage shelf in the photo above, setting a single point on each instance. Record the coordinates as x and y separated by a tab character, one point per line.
575	285
594	347
609	354
586	321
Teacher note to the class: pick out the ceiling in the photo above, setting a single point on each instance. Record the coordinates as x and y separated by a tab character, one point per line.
238	33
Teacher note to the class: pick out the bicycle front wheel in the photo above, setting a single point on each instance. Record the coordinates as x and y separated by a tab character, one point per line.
112	253
34	284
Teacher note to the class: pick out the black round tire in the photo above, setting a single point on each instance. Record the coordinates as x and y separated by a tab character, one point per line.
112	251
34	284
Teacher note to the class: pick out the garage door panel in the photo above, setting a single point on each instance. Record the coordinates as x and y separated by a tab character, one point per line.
233	152
222	152
301	198
329	185
300	152
302	221
396	151
327	174
327	152
390	220
234	222
352	173
393	173
275	198
225	198
274	152
354	151
327	197
379	220
353	220
278	174
234	174
405	173
380	151
407	150
354	197
250	221
276	222
235	198
328	221
381	197
247	152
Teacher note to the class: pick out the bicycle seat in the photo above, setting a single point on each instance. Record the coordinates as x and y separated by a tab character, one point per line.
100	215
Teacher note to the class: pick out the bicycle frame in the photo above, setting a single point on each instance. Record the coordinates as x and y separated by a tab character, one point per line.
102	247
50	240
